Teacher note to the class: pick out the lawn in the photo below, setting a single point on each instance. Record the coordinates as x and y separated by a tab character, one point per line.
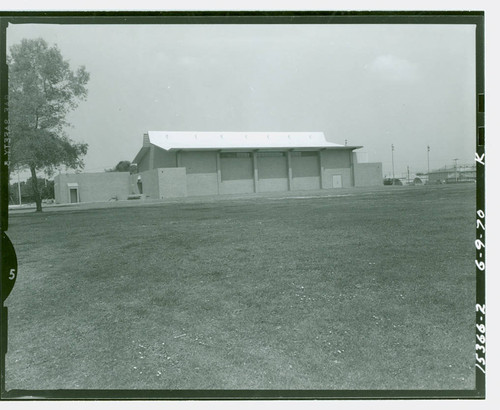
374	290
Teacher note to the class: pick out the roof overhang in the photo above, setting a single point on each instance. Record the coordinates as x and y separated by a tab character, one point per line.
195	141
260	149
175	141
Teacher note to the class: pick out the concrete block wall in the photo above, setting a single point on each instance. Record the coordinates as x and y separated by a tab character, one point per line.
241	186
172	182
368	174
163	159
150	184
328	173
305	172
305	183
334	159
93	187
336	163
201	172
59	191
236	176
272	173
272	184
236	168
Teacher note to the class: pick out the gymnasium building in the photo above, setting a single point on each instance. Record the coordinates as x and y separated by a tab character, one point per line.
174	164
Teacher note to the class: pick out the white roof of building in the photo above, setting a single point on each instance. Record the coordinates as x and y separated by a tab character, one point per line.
202	140
168	140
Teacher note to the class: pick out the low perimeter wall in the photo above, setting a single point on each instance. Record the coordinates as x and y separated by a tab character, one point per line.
160	183
91	187
368	174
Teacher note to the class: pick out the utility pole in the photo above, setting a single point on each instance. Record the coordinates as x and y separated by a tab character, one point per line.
408	174
392	152
428	168
456	170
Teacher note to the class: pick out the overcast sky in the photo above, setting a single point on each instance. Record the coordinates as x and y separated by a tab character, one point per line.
372	85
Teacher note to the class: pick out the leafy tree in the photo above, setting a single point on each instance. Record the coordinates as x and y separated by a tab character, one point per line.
45	187
42	91
122	166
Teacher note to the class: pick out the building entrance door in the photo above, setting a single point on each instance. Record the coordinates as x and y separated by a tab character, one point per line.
337	181
73	195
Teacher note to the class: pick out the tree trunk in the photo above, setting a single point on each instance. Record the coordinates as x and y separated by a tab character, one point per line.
36	192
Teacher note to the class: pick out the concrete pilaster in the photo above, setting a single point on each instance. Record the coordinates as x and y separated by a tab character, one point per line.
351	157
321	168
289	165
255	172
219	176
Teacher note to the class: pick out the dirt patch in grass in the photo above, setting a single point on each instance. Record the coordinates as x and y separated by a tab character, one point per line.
371	291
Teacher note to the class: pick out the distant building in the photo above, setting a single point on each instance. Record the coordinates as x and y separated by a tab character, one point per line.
177	164
451	175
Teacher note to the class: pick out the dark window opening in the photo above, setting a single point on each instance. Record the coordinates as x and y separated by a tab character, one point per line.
235	154
304	153
271	154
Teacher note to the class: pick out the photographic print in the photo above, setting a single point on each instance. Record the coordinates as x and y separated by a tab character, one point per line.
244	205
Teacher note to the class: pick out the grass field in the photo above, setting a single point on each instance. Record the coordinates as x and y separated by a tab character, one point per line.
375	290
